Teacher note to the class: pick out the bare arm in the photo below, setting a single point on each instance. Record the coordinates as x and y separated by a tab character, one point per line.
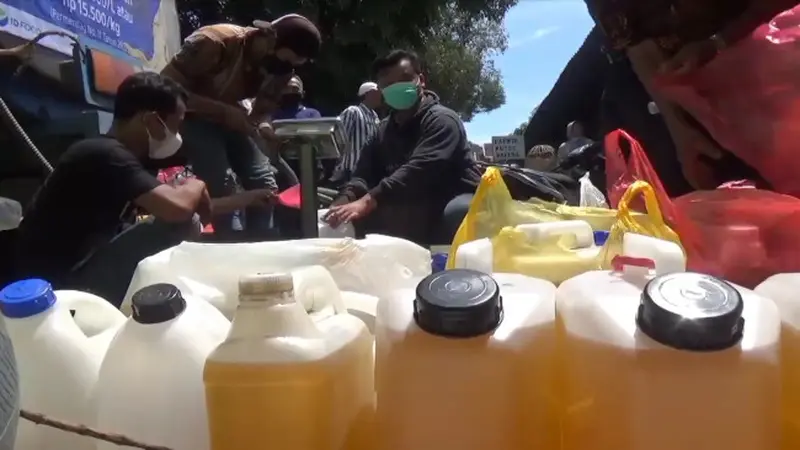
241	200
173	204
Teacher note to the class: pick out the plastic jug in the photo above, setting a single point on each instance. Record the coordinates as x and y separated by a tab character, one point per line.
151	380
315	289
56	364
376	265
465	362
284	381
557	251
97	318
362	306
345	230
9	391
783	289
659	359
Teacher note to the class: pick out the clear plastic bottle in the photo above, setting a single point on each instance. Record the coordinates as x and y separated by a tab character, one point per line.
282	381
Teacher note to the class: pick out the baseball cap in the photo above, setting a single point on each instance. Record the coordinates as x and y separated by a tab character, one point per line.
369	86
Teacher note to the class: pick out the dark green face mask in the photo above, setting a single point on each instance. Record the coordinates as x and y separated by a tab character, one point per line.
401	96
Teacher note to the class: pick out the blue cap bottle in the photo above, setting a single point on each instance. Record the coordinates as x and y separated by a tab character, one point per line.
600	238
438	262
26	298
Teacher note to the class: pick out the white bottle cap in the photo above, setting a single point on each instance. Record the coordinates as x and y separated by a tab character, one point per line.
264	284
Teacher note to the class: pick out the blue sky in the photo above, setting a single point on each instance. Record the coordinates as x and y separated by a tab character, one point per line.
543	36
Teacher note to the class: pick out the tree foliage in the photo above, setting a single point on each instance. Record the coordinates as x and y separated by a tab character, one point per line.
455	38
520	130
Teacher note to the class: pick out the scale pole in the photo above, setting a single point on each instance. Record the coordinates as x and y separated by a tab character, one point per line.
309	203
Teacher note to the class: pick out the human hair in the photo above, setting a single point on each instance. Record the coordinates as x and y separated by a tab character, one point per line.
147	91
394	58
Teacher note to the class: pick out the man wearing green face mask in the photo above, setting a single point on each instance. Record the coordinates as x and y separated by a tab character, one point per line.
414	179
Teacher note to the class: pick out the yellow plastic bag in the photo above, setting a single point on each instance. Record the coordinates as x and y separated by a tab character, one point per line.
493	208
555	257
654	226
560	257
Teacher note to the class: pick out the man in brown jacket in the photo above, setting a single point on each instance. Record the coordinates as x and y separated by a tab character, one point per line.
221	65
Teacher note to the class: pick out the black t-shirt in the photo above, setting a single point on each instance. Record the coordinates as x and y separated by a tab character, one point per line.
84	203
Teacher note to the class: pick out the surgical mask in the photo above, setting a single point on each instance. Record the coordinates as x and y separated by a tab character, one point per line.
164	148
276	66
401	96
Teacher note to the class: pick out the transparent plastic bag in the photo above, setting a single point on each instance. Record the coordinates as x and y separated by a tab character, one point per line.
590	195
10	214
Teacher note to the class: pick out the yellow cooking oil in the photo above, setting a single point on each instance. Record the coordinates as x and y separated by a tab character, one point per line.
790	375
782	289
282	381
677	361
465	362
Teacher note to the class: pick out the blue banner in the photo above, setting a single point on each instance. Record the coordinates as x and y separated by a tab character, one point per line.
124	24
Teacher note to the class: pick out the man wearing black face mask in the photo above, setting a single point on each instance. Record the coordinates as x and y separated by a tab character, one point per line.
221	65
290	104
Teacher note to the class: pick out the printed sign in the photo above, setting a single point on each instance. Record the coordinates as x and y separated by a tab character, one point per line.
126	25
508	147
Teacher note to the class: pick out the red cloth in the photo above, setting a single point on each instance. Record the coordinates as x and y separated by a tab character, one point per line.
291	198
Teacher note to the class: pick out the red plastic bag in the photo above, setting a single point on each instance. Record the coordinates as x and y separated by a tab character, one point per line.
748	98
735	232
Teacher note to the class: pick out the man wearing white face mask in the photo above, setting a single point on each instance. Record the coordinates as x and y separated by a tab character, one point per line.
80	231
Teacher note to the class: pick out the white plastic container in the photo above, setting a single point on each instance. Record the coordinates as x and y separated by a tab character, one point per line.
283	380
784	290
570	250
658	359
56	363
345	230
466	363
376	266
151	381
97	318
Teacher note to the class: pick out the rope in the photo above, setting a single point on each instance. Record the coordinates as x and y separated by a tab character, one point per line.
83	430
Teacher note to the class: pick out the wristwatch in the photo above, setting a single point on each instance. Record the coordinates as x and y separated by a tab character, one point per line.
719	42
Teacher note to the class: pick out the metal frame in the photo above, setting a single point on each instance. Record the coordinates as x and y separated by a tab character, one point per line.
307	160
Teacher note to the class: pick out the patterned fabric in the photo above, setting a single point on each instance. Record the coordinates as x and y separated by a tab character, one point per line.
360	124
671	23
213	60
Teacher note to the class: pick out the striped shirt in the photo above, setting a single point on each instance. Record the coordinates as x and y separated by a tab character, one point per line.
360	124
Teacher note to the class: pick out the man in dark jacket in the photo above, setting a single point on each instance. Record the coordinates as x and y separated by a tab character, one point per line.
414	179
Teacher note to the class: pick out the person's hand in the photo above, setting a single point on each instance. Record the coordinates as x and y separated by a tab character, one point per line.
266	131
238	120
697	153
350	212
258	198
691	57
204	209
